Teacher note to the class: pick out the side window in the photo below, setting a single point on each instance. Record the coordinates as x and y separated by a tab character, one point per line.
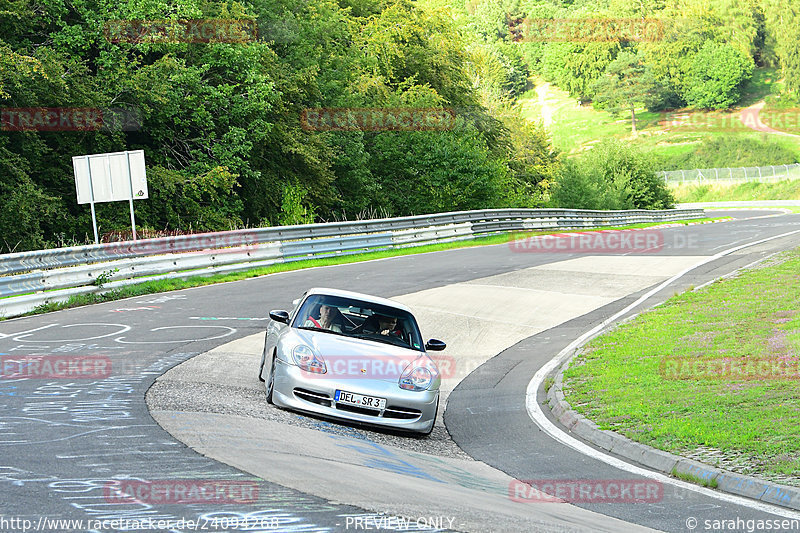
296	308
306	309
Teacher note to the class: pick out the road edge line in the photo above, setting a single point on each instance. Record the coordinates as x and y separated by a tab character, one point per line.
658	460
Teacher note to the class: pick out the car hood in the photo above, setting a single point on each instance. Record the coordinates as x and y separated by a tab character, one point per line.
339	350
333	344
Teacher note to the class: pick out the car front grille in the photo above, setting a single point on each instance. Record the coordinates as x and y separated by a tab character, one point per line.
313	397
356	409
402	413
391	411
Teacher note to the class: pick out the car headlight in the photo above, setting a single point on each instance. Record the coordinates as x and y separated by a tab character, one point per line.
305	358
416	378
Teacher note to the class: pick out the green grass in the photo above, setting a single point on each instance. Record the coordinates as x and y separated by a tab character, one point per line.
791	208
695	479
626	380
759	86
575	129
780	190
151	287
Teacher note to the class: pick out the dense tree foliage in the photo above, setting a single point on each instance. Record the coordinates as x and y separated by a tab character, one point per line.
221	121
717	75
782	34
726	37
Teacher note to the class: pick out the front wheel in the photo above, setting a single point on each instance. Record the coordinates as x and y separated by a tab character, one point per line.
271	382
435	412
261	366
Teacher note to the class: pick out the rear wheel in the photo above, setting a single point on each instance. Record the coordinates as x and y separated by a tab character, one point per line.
271	382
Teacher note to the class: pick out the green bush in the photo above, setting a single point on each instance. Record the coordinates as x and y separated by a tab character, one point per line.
717	75
613	175
292	209
580	186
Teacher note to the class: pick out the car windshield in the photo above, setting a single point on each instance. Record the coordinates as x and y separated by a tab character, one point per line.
359	319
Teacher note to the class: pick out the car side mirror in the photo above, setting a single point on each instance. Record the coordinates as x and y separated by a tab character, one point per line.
279	316
435	345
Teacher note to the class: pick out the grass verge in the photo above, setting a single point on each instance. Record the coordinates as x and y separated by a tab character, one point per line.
670	134
695	479
711	374
151	287
779	190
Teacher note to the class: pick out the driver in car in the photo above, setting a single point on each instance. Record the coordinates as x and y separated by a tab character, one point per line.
387	325
327	319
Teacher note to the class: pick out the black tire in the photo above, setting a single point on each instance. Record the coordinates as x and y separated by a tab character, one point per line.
435	414
263	358
271	382
261	366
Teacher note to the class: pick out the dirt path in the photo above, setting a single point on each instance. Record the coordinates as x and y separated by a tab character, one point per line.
750	118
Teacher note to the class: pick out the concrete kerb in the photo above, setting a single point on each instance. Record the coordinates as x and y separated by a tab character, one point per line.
659	460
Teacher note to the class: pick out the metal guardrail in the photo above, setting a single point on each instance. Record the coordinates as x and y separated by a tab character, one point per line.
731	175
30	279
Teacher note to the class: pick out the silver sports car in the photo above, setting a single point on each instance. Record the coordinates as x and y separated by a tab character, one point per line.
347	355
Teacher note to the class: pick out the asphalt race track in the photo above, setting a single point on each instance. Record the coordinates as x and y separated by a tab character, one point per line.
68	444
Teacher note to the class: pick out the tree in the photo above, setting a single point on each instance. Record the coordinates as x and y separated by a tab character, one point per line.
782	20
627	84
717	75
576	66
221	121
534	162
687	25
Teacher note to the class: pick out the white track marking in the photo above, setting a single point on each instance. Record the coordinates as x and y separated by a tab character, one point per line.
230	331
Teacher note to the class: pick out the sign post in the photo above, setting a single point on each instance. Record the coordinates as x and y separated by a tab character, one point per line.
109	178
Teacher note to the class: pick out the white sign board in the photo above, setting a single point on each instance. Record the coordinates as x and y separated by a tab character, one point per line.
110	177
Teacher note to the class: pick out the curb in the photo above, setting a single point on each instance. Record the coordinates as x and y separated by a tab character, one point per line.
661	461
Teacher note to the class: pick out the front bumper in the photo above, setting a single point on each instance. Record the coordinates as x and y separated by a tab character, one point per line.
405	410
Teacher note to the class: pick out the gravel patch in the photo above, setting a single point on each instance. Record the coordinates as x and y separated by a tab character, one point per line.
172	395
739	463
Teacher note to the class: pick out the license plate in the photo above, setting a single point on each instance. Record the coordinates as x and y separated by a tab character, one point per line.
359	400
